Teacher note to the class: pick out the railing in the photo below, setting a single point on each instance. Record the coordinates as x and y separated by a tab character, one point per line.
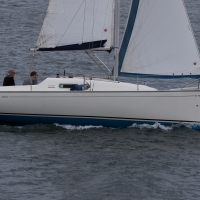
192	82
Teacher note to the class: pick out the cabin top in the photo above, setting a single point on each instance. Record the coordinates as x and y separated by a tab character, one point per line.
71	84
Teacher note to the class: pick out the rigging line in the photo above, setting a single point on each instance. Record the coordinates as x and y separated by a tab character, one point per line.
80	57
88	53
44	38
100	61
71	22
84	21
93	85
94	18
93	24
32	61
105	19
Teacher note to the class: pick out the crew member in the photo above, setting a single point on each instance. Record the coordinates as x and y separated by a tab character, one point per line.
32	80
9	79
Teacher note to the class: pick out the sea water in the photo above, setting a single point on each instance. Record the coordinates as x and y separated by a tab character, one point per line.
86	162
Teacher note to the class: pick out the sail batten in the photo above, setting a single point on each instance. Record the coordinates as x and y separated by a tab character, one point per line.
76	23
161	42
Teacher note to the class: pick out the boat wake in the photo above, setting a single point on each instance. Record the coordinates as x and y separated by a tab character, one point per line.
55	127
192	126
137	126
79	128
154	126
167	128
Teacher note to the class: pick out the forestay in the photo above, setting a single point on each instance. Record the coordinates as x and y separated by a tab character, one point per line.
159	41
77	25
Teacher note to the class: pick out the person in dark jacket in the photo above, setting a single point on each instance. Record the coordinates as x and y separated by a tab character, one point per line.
9	79
32	80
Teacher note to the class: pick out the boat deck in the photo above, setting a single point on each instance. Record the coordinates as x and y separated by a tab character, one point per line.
79	83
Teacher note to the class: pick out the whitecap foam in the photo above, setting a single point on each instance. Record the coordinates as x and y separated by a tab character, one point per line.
167	128
80	128
192	125
154	126
188	125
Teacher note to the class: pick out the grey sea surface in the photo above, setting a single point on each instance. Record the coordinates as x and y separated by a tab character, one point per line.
76	162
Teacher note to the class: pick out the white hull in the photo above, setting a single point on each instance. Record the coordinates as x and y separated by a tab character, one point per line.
102	106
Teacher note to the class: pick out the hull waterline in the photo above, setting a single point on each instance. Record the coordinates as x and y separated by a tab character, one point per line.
11	119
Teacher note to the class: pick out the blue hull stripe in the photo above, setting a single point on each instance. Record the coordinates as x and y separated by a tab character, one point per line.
124	74
78	121
128	33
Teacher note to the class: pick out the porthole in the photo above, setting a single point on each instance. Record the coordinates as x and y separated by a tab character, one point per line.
67	85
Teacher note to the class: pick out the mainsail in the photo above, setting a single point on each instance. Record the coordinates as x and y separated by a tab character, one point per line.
77	25
159	41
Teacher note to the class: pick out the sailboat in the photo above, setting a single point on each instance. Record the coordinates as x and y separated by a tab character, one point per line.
158	42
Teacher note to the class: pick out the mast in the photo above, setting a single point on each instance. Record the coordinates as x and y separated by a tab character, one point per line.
116	43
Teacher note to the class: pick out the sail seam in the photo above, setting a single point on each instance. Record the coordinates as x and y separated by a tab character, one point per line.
71	22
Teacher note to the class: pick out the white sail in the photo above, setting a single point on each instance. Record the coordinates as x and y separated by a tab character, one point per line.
161	41
77	25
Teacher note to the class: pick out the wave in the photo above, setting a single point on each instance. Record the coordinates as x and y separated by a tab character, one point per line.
154	126
157	125
138	126
79	128
56	127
